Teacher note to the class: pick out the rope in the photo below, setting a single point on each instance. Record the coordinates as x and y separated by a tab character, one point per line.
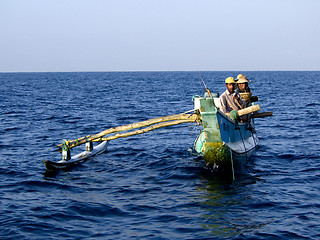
245	149
252	130
231	161
65	146
189	111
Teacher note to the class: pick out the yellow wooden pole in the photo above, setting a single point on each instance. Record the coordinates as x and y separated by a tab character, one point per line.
144	130
93	138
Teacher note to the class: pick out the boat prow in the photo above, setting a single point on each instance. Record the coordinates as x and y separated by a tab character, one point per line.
222	138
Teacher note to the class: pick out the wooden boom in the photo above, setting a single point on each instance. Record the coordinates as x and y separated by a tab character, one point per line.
144	130
180	118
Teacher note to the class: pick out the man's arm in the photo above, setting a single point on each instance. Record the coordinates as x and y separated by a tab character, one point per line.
223	103
241	101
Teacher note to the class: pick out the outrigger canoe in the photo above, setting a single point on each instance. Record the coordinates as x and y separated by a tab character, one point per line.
220	140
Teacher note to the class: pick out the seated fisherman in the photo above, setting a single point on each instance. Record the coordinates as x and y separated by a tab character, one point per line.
244	90
230	100
243	85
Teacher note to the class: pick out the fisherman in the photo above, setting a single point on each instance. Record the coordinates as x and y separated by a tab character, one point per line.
243	85
230	100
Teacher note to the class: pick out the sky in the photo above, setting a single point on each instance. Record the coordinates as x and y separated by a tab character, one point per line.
159	35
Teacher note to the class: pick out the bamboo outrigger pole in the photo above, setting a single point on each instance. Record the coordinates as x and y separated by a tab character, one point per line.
175	119
144	130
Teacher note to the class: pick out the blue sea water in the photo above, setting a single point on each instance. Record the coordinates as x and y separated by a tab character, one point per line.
150	186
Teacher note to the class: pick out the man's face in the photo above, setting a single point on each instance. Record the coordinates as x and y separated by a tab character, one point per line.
230	87
242	86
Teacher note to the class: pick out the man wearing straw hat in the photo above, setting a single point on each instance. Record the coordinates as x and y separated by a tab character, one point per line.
231	100
242	84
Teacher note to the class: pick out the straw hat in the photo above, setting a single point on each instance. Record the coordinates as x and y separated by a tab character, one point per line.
239	76
230	80
243	80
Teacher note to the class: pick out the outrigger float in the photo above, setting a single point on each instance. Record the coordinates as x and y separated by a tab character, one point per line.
220	140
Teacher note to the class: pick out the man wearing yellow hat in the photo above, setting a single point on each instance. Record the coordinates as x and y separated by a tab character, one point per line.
230	100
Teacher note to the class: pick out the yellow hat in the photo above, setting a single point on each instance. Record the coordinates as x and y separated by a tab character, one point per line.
230	80
243	79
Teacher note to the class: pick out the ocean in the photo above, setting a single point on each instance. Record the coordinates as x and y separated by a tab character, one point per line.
151	186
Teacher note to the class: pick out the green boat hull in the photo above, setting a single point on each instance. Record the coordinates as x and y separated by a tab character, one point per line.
222	140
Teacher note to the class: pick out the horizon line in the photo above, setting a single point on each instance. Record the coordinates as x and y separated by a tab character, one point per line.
79	71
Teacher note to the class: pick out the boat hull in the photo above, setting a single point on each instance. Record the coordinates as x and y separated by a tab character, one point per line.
223	140
241	138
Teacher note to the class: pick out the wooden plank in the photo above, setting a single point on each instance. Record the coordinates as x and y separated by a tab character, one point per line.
262	115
